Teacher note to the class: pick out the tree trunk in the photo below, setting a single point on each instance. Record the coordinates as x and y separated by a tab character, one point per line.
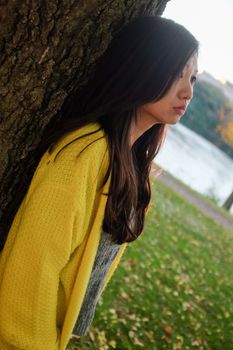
47	49
228	202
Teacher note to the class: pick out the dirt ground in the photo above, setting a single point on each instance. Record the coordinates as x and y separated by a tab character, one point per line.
190	196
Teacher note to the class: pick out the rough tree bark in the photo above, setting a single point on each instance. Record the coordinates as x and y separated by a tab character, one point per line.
48	48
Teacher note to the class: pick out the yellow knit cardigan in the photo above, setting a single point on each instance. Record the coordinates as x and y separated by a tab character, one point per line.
47	260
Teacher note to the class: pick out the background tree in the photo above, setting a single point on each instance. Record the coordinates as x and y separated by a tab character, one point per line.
48	49
228	202
225	129
226	132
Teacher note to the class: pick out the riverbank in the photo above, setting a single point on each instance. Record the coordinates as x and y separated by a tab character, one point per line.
218	214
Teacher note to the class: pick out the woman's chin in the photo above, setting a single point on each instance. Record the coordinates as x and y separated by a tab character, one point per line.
175	120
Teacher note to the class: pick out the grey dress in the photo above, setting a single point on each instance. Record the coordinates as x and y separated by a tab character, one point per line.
106	252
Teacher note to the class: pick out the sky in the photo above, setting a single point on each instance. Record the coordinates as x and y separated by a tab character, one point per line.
211	22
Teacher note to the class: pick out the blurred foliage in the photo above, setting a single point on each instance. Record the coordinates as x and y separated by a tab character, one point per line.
226	132
211	116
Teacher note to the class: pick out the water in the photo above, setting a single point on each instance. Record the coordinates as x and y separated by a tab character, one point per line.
197	162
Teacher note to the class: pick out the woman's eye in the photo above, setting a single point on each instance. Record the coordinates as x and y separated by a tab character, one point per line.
193	80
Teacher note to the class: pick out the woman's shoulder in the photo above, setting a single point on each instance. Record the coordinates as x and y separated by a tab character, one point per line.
80	157
76	142
84	150
77	139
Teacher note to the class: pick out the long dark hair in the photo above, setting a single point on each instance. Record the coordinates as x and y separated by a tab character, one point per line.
139	66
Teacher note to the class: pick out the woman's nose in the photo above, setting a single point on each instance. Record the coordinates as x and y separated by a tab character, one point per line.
187	91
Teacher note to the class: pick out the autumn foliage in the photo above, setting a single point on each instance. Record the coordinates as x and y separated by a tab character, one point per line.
225	129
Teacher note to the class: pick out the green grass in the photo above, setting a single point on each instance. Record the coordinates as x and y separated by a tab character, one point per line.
173	289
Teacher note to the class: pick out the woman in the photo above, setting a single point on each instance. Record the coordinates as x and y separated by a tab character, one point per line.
90	191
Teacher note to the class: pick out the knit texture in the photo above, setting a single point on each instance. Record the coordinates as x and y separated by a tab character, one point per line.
49	254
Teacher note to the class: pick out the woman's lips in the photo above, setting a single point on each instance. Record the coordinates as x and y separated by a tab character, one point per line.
180	110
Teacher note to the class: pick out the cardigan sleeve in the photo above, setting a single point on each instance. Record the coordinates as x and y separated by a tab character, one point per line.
30	278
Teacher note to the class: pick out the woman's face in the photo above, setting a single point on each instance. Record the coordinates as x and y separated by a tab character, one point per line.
170	108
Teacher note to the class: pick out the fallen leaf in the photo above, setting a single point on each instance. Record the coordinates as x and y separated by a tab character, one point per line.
168	330
112	343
